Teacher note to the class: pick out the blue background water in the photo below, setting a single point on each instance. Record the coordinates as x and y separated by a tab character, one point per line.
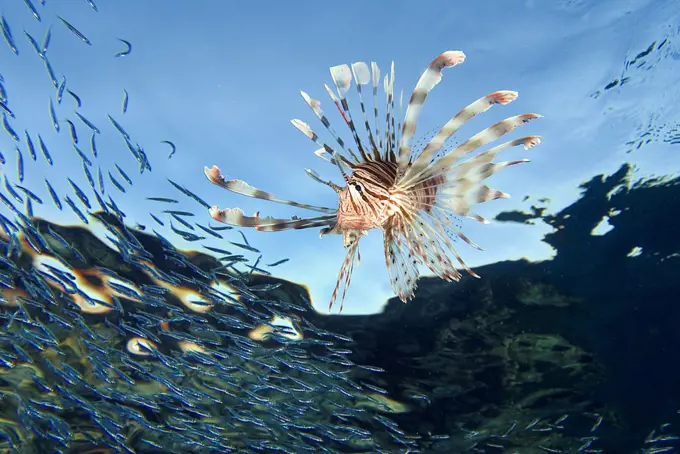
222	79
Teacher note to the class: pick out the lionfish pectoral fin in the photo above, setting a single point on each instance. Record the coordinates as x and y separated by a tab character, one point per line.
352	236
345	275
241	187
402	266
331	230
236	217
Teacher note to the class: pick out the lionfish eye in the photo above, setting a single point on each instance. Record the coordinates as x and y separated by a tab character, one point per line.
358	187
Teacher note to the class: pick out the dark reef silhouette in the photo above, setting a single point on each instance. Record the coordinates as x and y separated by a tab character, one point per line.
579	350
593	331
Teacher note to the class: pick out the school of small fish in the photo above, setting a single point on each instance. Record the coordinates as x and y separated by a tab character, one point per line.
136	345
413	196
133	345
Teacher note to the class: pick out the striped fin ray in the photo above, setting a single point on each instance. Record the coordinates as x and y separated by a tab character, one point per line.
445	220
341	162
393	124
305	129
479	106
388	87
236	217
446	162
375	76
468	167
427	242
475	169
426	83
241	187
315	105
450	197
316	177
401	264
438	229
345	275
341	75
362	76
400	123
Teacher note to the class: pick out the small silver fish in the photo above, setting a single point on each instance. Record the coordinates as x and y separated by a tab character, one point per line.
82	155
31	147
20	165
75	209
188	193
88	123
33	10
45	151
53	194
120	129
9	129
174	148
75	97
60	89
100	179
34	44
50	71
278	262
124	175
125	52
93	145
75	31
116	183
46	40
30	194
80	194
4	107
125	100
7	33
53	115
72	127
162	199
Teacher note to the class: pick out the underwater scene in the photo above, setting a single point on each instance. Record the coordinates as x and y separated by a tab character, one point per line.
367	227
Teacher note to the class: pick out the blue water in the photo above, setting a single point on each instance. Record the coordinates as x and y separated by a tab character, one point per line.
581	258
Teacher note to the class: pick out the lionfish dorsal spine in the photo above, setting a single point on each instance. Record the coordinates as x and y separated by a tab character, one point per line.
315	105
362	76
342	79
450	160
428	80
449	129
375	76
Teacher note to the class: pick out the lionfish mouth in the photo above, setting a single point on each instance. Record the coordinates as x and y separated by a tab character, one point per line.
415	198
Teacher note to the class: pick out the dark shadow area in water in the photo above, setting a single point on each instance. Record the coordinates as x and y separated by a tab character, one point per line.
592	331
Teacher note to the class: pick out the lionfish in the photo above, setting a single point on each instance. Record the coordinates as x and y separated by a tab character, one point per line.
413	197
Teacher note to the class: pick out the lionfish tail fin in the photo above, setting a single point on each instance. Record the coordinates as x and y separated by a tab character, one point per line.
241	187
345	275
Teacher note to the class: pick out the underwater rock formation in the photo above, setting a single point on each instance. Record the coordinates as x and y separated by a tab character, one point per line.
566	354
152	349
